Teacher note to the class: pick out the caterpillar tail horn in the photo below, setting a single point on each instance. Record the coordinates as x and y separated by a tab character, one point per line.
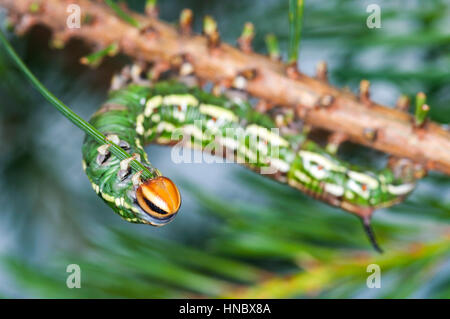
366	221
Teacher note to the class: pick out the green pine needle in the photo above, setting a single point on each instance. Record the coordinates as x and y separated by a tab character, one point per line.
96	58
295	29
122	14
272	46
68	113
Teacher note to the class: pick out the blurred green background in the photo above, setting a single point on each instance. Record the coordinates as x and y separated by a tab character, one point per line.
237	234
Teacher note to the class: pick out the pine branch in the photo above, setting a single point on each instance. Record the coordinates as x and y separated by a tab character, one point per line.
318	103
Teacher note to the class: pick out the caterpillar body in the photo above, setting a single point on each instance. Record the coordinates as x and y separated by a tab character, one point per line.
170	112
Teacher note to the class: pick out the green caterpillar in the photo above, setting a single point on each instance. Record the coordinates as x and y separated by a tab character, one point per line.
170	113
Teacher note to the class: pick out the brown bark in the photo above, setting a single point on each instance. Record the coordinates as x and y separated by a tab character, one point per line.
317	102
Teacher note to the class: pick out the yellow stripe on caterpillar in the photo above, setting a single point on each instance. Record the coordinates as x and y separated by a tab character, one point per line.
228	142
135	209
302	177
125	204
334	189
140	124
261	147
152	104
280	165
193	131
119	202
321	160
383	183
248	153
156	117
182	100
108	197
316	170
179	115
165	126
148	133
402	189
218	112
213	126
349	194
130	220
267	135
352	185
95	187
363	178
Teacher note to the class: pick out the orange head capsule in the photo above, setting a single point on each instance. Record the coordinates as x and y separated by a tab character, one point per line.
160	199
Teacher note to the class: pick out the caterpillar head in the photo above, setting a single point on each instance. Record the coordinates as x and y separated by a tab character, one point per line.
160	199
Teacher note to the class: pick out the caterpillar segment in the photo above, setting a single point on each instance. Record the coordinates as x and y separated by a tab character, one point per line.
173	113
